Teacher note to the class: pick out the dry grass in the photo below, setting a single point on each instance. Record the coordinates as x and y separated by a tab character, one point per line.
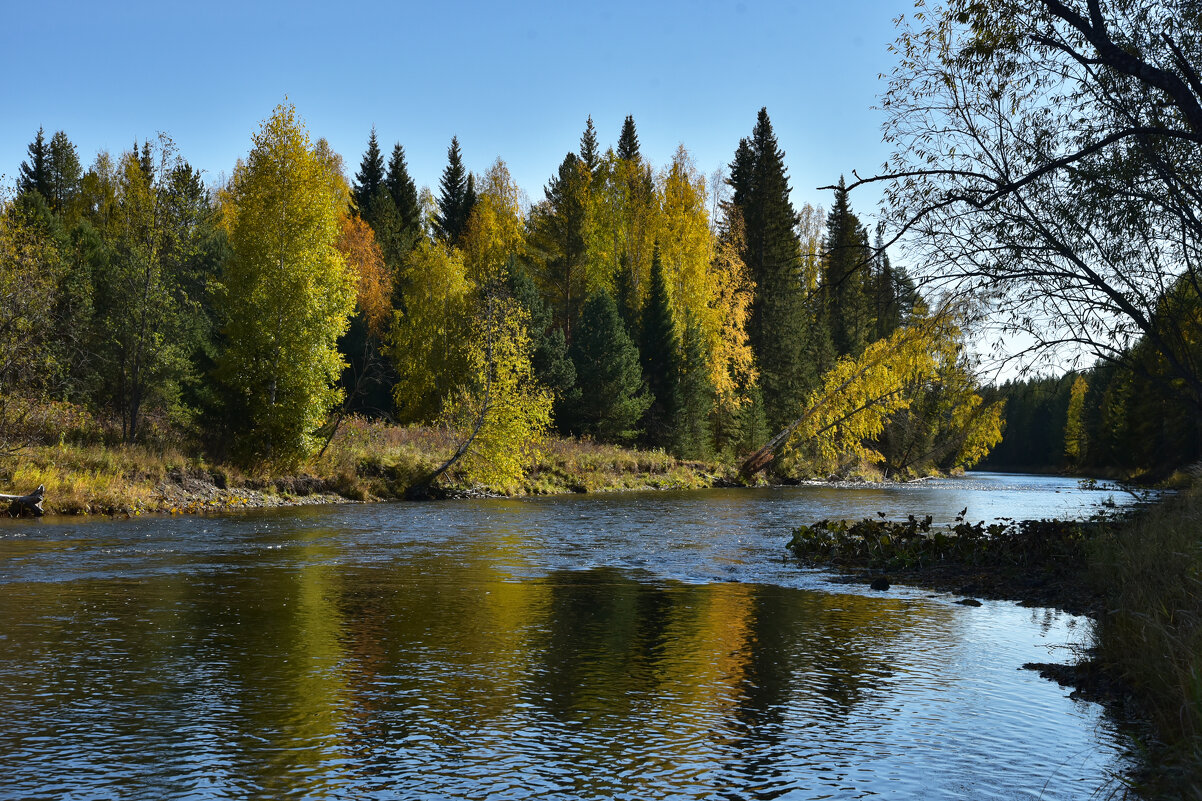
1151	636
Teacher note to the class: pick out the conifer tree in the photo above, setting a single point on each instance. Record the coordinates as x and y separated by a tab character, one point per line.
691	432
628	141
457	195
779	324
549	359
612	396
64	174
369	179
404	195
35	173
659	347
846	266
590	152
558	240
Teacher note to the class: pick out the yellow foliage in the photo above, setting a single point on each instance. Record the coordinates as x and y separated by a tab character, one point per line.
496	229
503	410
426	342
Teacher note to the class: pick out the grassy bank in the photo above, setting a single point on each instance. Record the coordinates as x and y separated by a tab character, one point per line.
1139	577
365	461
1149	571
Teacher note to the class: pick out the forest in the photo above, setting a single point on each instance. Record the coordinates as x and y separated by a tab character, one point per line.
632	304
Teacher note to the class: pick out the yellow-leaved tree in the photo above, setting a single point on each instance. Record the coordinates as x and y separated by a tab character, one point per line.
847	413
286	296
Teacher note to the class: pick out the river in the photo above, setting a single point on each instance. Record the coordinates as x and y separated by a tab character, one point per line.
626	646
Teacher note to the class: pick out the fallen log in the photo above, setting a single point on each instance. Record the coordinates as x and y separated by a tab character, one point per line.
26	505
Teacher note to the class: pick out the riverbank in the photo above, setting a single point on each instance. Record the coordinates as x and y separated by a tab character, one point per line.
364	462
1140	578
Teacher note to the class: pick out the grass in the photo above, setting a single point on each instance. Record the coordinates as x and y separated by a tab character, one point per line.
365	461
1149	570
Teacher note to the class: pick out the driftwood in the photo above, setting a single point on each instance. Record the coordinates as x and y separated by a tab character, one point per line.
26	505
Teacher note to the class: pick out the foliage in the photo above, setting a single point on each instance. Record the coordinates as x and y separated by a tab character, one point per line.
287	293
427	340
612	396
457	196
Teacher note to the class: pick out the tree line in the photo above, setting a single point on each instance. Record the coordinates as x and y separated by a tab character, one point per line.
629	303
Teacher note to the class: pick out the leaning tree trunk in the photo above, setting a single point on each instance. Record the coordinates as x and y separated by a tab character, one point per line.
26	505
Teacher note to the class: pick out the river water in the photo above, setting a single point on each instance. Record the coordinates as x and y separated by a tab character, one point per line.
629	646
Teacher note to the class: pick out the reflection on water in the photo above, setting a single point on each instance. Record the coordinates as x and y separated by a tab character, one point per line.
639	646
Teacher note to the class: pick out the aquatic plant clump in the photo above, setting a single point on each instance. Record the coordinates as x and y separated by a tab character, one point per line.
915	544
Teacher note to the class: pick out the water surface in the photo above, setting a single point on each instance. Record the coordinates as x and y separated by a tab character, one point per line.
632	646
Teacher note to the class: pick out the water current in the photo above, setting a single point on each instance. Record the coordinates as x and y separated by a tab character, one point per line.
624	646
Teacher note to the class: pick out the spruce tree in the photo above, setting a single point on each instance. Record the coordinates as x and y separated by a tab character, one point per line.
64	173
404	195
549	359
456	197
628	141
691	432
779	327
659	348
369	179
34	175
845	277
612	397
590	152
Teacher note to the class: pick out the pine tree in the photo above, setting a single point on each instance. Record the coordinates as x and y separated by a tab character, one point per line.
779	327
457	195
628	141
612	396
369	179
659	348
590	152
558	240
35	173
846	267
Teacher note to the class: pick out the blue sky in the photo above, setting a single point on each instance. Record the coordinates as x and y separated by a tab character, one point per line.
514	80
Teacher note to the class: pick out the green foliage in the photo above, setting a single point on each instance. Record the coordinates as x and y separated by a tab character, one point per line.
369	180
287	294
780	326
558	239
553	368
691	434
34	175
590	152
457	195
846	266
660	352
628	141
612	395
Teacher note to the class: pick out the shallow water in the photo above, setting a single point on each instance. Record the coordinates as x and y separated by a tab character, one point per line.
633	646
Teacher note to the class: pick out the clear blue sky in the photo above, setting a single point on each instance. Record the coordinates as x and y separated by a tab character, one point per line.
511	80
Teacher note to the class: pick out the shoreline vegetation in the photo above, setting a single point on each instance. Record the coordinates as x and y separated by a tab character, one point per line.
1138	576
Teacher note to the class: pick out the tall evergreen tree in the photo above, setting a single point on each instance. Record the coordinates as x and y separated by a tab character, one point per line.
369	179
590	152
628	141
64	174
612	396
779	327
691	432
34	175
558	229
847	263
457	195
549	359
659	348
404	194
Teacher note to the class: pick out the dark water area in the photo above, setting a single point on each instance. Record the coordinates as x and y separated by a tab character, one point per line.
632	646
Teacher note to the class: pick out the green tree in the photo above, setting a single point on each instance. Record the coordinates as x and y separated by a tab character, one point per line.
287	294
369	180
404	196
553	367
659	349
612	395
559	227
691	434
1075	437
64	176
34	175
590	152
628	141
846	266
779	328
457	195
